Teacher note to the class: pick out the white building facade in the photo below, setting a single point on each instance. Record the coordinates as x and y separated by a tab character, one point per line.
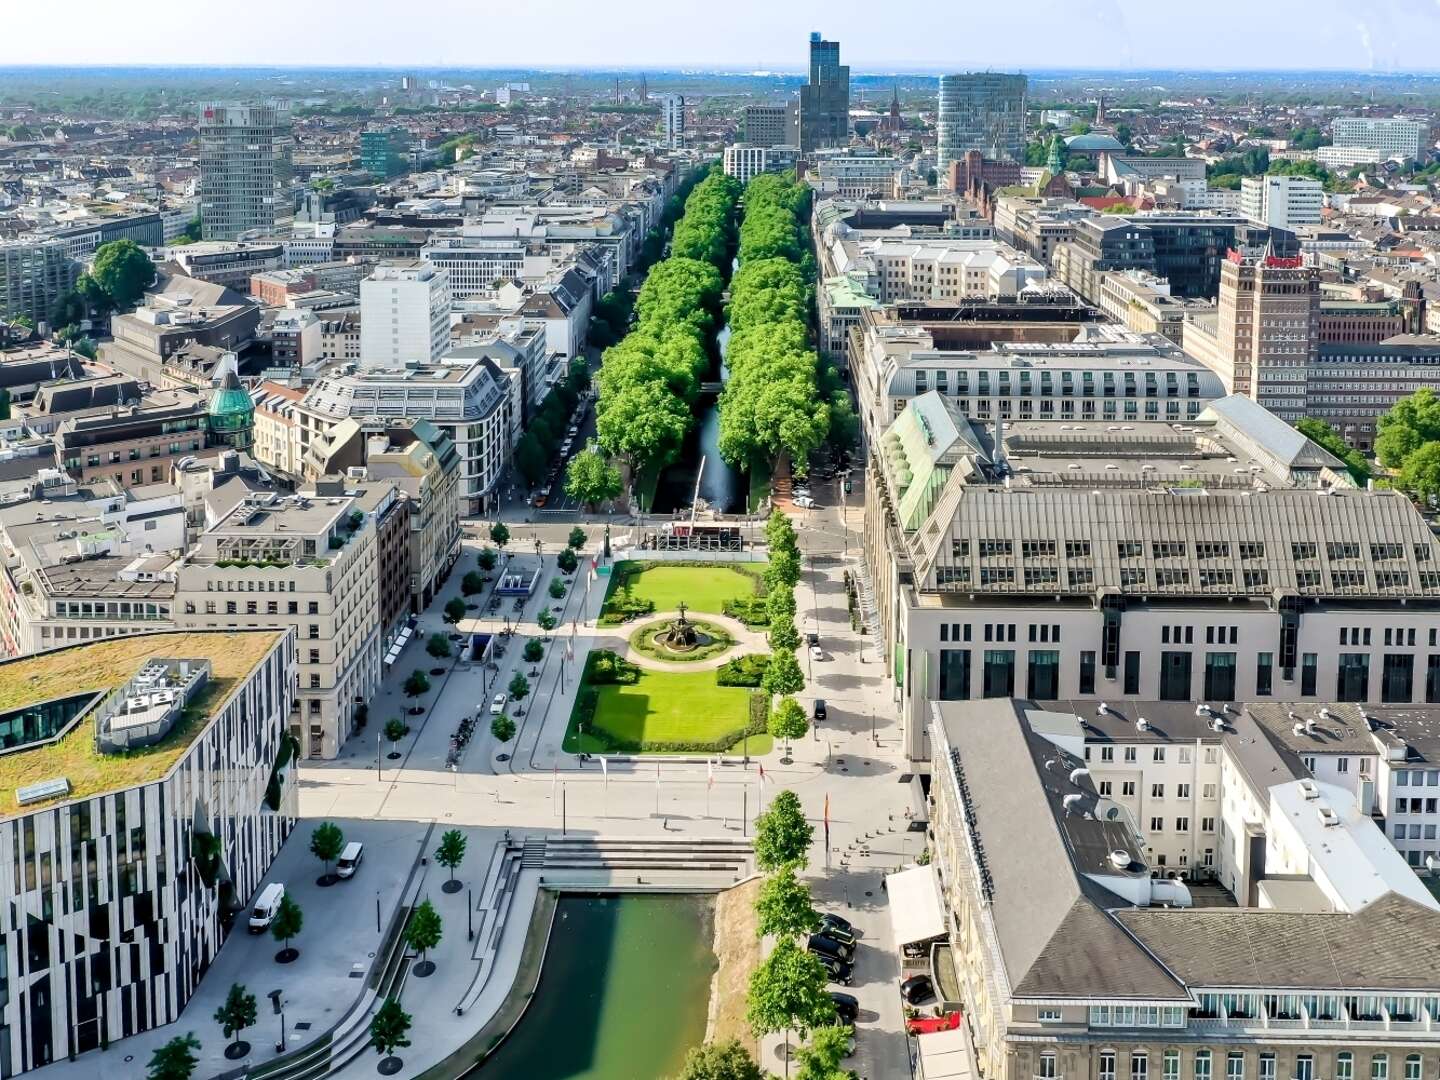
404	315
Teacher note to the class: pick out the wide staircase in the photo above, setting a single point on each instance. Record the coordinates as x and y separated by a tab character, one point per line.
646	863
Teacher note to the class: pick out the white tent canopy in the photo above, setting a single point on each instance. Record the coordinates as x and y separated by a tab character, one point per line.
915	912
945	1055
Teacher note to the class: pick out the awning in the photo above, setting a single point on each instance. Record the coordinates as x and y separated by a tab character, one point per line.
915	912
945	1055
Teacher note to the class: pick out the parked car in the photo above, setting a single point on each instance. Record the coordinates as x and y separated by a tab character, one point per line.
825	945
804	502
843	934
917	988
830	921
263	913
350	859
800	493
497	704
817	653
820	714
840	971
847	1007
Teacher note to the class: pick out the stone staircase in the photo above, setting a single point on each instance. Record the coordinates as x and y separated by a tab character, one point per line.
646	862
532	856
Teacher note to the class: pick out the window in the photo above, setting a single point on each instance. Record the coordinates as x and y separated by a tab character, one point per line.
1267	1067
1049	1016
1107	1065
1412	1067
1170	1065
1157	824
1087	672
1345	1066
999	673
1182	791
1139	1067
1131	753
1380	1067
1044	675
1107	753
1157	791
1234	1066
1127	788
1106	788
1309	671
1264	669
1047	1063
1202	1065
1132	673
1157	754
1207	824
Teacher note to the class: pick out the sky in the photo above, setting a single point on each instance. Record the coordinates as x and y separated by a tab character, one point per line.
896	36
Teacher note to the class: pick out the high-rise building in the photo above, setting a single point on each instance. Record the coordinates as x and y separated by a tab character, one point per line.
1267	330
1395	136
385	153
981	111
763	125
820	115
672	119
404	315
245	168
1282	201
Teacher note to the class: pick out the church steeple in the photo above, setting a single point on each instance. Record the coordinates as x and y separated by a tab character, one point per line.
1056	161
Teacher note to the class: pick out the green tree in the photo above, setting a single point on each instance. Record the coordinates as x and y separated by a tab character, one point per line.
557	588
454	609
499	534
451	852
590	479
546	620
644	424
783	570
783	676
719	1061
424	929
784	907
416	683
123	270
438	646
787	720
395	729
1318	431
578	374
503	728
821	1060
288	922
472	583
780	533
530	458
534	651
1420	475
567	560
237	1013
176	1060
577	539
788	992
519	687
782	835
327	841
487	559
780	602
389	1028
4	403
784	638
69	309
1409	424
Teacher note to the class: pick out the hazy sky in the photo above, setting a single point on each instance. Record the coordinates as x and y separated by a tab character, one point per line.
898	35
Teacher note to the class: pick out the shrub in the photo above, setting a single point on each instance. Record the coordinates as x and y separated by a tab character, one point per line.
751	610
557	588
534	651
605	667
747	670
567	560
620	609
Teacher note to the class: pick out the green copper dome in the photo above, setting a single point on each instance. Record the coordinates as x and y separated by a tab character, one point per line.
231	414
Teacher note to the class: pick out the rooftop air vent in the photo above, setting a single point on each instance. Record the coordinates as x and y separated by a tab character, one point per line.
1309	789
1103	709
1141	724
1076	774
1120	859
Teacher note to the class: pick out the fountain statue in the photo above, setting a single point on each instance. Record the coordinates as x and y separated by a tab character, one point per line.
682	634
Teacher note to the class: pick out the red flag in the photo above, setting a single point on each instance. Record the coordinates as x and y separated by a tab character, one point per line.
762	773
827	810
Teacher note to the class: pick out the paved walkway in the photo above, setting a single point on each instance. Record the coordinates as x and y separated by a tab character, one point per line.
746	640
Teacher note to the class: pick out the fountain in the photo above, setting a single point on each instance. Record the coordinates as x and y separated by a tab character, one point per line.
682	636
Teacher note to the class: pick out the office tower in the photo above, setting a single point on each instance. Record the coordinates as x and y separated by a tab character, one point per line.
981	111
33	275
1282	201
404	315
820	115
1269	330
672	120
763	125
385	153
1392	137
245	168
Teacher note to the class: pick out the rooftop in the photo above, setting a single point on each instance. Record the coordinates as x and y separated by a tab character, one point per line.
105	666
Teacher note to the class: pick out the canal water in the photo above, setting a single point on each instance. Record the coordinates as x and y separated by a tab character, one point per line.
722	487
624	992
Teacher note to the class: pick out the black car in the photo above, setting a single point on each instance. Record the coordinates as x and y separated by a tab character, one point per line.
825	945
840	971
847	1008
820	711
833	926
917	988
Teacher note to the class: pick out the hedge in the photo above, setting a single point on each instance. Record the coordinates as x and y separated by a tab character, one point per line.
745	670
605	667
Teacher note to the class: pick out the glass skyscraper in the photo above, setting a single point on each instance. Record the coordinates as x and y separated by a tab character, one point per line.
981	111
820	116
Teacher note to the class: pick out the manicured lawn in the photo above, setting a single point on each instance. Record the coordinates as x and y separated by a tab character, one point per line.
703	588
679	707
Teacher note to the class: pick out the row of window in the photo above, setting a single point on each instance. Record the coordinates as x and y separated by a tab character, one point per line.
1108	386
1235	1066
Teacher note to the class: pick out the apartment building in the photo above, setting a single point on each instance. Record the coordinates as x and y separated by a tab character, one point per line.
763	125
110	869
307	562
1143	303
476	264
33	275
1367	140
850	174
229	264
404	315
1073	560
133	444
1266	330
277	430
672	120
1077	957
1350	386
745	162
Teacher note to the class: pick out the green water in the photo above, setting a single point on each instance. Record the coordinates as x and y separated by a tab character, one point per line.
623	994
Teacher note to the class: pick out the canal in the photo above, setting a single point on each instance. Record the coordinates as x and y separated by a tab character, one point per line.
624	992
723	488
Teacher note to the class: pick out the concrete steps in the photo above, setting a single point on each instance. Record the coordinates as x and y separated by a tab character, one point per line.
532	856
653	860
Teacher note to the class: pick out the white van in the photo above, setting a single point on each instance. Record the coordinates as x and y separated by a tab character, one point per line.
350	859
263	913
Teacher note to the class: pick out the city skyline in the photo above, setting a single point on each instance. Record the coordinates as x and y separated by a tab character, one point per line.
1116	35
